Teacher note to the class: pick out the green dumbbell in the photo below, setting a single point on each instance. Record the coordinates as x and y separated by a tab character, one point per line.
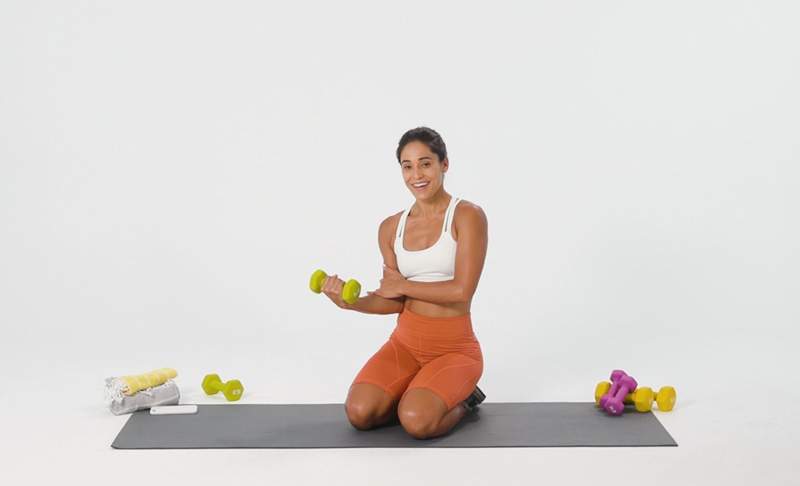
232	389
350	291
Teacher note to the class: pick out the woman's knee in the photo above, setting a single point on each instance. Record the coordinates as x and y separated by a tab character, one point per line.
420	414
367	407
361	415
420	424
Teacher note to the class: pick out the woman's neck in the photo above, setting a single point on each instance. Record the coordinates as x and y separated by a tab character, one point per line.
435	205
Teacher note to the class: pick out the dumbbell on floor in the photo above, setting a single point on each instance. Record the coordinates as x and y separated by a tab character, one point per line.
232	389
615	398
642	398
350	291
616	376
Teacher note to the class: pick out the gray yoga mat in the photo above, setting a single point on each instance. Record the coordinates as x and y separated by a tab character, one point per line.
297	426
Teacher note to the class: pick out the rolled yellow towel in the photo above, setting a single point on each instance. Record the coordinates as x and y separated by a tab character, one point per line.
134	383
129	385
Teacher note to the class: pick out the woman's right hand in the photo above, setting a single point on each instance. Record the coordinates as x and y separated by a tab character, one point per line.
332	287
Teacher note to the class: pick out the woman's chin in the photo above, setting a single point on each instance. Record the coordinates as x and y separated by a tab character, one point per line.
427	193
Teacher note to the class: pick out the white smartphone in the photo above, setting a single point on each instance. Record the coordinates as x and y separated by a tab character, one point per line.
173	410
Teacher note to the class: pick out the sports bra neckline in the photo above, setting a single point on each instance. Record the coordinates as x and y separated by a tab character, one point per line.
442	231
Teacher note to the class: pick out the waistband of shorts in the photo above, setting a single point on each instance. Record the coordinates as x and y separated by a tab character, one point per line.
453	325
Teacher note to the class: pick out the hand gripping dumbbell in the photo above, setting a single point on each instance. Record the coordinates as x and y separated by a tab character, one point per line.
621	385
350	291
232	389
642	398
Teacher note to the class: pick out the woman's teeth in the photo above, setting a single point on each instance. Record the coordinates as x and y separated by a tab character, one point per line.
418	186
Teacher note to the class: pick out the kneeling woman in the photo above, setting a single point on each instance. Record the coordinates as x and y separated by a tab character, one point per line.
426	374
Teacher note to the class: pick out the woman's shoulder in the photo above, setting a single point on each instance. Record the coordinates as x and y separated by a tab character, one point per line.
392	220
468	209
389	225
468	214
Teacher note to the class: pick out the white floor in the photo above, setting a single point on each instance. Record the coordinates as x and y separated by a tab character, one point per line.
734	425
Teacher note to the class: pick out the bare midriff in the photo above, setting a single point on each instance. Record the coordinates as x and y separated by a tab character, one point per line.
431	309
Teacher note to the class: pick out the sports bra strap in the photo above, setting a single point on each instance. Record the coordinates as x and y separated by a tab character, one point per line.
445	224
451	209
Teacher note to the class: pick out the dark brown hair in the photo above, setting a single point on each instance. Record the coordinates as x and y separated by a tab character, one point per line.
426	135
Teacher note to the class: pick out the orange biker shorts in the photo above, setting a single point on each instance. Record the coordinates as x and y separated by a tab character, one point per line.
440	354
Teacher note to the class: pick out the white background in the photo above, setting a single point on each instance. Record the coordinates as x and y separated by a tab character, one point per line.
172	172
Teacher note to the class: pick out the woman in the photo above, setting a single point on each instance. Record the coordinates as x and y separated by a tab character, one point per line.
433	254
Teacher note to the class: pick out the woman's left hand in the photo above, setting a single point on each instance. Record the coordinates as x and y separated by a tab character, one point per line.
391	284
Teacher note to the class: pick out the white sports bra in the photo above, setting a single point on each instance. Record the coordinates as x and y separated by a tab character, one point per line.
435	263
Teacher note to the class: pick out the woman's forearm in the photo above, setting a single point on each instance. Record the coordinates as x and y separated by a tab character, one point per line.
445	292
375	304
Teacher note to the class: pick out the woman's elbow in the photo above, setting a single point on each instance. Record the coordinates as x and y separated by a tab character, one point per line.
464	294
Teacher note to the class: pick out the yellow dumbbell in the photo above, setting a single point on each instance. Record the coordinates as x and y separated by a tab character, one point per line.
665	398
350	291
642	398
232	389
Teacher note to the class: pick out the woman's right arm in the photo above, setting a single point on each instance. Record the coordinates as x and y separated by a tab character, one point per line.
375	304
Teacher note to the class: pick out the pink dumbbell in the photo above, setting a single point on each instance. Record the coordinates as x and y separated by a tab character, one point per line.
616	375
621	385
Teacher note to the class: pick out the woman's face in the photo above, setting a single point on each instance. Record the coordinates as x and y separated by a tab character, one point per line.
422	171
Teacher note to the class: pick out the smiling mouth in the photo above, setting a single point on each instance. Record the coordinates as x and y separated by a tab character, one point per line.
422	186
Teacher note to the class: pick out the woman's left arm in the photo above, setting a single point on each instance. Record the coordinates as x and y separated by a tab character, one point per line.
473	238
